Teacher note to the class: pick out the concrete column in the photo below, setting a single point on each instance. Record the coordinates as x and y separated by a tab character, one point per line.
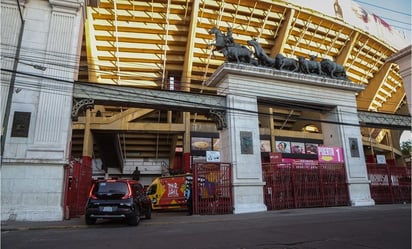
240	145
349	137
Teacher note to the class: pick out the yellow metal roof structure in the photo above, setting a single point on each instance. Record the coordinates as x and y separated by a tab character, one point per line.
146	43
143	43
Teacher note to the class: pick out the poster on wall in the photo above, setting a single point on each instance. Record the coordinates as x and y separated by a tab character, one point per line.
297	148
283	146
201	143
264	145
311	149
330	154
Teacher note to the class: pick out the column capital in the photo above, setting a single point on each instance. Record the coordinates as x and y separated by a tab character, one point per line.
67	6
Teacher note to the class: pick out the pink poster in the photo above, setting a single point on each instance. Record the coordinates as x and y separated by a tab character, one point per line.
330	154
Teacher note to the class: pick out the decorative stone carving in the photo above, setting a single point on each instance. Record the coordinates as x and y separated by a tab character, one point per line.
81	105
219	117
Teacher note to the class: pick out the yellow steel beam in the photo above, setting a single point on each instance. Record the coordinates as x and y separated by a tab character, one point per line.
188	58
92	59
392	104
88	137
365	98
343	56
283	33
146	127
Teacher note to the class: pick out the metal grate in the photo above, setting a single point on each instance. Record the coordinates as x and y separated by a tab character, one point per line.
212	194
290	185
389	184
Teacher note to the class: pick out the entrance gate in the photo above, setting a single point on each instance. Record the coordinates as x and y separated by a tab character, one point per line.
291	185
212	192
78	186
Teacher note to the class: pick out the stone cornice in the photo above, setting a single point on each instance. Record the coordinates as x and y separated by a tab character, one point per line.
270	73
67	6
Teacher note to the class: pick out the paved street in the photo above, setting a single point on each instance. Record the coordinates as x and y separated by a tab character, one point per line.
380	227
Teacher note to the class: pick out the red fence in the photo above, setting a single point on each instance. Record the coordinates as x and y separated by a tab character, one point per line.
389	184
298	186
213	192
78	187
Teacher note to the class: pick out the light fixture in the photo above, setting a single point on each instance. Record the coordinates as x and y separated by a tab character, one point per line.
311	128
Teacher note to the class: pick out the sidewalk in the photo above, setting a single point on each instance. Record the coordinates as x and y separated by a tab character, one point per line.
157	218
39	225
164	218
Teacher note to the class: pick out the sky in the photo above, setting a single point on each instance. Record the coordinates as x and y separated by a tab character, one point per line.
396	13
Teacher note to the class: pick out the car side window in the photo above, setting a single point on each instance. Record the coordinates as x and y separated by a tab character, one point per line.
152	190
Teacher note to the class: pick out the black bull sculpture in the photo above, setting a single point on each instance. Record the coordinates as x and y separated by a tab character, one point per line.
237	53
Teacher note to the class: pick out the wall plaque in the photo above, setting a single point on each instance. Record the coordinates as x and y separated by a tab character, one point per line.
246	142
21	123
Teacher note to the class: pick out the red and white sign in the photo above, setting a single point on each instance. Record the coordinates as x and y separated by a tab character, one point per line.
330	154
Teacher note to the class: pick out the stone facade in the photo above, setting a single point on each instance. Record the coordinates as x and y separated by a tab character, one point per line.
33	162
244	84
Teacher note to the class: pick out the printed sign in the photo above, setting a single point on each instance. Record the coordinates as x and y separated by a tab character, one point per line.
330	154
380	159
213	156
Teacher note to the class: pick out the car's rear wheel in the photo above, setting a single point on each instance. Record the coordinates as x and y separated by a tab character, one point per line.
135	218
90	221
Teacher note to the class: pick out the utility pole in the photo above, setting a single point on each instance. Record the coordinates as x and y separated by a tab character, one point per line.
11	88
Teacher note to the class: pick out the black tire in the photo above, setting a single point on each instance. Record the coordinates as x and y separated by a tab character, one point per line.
135	218
90	221
148	214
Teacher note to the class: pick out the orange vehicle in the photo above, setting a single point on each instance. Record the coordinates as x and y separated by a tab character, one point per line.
168	192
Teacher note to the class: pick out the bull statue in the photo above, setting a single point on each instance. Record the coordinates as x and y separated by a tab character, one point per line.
285	63
309	66
332	69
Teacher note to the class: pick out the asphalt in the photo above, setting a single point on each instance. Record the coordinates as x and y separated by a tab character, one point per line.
182	217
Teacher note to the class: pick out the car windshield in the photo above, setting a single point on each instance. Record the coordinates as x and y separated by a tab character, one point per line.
111	187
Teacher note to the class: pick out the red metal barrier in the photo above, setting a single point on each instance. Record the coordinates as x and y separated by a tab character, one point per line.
291	185
79	186
278	191
389	184
212	192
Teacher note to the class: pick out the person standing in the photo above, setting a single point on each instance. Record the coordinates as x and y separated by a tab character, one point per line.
188	196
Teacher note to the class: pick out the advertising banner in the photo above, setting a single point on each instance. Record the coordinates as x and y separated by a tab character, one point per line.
354	14
330	154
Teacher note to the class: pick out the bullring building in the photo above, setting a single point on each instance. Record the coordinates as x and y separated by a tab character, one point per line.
107	87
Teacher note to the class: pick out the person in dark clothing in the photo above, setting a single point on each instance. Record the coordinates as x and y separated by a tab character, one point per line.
188	197
136	174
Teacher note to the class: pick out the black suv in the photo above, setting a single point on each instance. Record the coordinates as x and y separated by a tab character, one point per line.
117	199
